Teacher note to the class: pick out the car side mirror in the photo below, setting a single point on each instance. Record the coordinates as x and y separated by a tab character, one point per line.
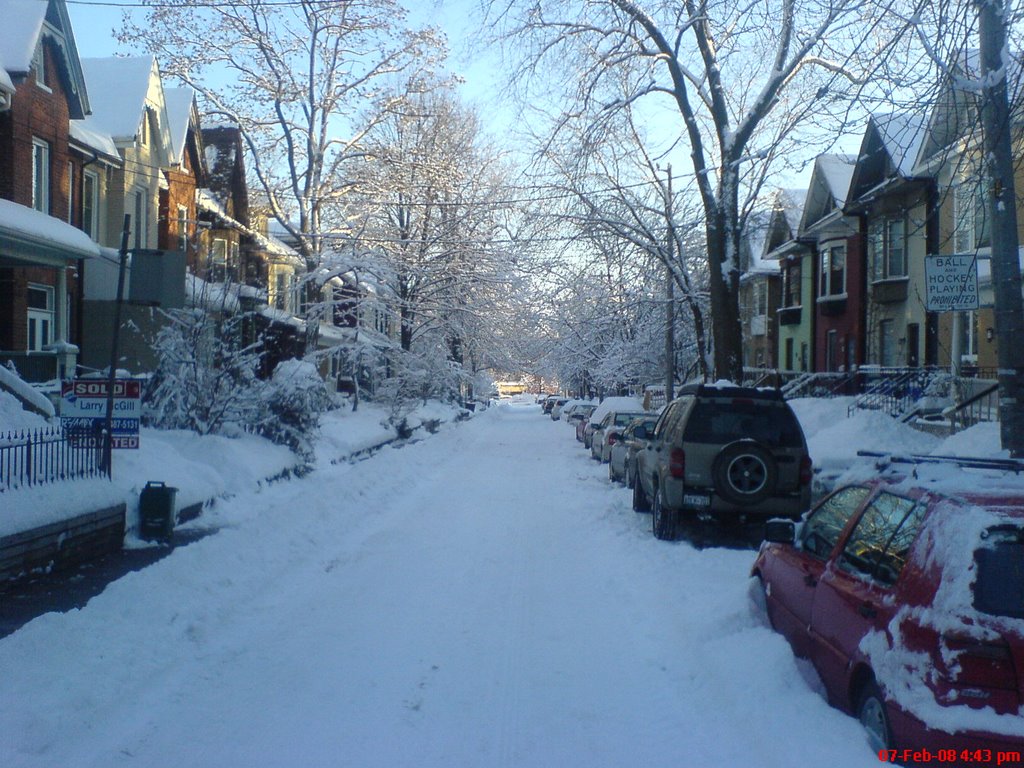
780	532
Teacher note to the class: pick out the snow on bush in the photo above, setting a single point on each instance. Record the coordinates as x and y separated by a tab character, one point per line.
292	402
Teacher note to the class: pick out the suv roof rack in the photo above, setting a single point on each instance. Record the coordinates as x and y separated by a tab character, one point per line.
731	390
968	462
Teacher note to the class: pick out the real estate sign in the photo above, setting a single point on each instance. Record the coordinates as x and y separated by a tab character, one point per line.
83	411
951	282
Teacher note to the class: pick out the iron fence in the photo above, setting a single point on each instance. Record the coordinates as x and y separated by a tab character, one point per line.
48	455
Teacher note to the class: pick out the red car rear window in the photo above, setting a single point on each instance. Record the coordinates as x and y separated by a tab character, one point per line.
999	588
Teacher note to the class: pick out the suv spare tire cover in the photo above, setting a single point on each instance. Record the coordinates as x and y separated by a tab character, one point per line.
745	473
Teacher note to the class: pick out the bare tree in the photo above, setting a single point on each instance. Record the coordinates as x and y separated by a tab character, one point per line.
743	77
433	203
304	82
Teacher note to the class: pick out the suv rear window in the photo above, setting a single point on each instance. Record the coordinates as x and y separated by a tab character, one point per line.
999	587
723	421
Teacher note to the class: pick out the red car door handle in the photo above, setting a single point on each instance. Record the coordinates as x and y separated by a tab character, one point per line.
809	580
867	610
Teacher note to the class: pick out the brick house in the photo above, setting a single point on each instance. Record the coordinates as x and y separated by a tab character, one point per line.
42	249
838	266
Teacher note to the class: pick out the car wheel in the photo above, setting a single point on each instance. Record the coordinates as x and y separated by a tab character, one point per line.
611	473
745	473
640	502
630	478
874	717
663	521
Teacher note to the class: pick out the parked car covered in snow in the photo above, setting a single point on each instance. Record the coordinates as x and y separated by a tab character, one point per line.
622	454
556	407
909	602
609	431
727	452
607	405
579	414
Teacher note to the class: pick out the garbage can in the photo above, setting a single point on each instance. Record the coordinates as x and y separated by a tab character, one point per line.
156	511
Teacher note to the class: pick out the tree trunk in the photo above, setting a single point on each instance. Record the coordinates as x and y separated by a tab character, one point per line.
1002	201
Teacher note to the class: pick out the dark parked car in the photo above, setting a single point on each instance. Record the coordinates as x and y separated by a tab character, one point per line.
910	605
724	451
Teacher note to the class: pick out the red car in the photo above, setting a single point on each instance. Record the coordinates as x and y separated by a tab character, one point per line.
909	602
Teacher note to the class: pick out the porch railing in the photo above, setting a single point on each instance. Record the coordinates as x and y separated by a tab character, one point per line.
48	455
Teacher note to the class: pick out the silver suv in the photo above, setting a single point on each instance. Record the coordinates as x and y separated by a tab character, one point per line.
727	452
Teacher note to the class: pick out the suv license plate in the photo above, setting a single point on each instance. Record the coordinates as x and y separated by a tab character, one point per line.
696	500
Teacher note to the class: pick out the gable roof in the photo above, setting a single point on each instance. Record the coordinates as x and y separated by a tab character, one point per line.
889	151
123	90
25	23
829	186
784	225
180	105
752	245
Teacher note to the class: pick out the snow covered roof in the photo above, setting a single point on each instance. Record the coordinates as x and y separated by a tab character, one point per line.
6	86
24	23
207	201
755	240
902	136
28	231
19	33
86	133
828	189
120	91
179	113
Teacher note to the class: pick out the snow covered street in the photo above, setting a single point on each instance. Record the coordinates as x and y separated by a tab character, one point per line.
484	597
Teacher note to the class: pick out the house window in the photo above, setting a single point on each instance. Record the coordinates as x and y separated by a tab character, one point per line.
971	226
40	175
792	284
833	272
218	259
789	354
40	317
182	228
39	65
140	219
282	291
90	204
887	248
760	299
887	344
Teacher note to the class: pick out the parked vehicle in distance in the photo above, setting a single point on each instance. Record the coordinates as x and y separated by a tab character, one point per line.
622	454
579	414
607	405
727	452
548	403
909	602
609	431
556	408
570	407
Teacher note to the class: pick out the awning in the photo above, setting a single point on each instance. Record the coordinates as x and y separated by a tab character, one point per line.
31	238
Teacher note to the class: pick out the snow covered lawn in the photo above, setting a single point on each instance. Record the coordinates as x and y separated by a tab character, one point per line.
483	597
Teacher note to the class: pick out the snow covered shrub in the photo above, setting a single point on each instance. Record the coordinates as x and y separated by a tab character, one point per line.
292	402
205	377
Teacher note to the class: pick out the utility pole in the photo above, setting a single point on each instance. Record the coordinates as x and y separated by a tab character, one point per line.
108	427
1002	208
670	298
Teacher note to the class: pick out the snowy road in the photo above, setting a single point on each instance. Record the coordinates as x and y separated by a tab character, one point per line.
482	598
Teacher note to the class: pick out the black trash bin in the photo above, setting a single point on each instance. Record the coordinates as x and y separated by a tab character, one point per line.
156	511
